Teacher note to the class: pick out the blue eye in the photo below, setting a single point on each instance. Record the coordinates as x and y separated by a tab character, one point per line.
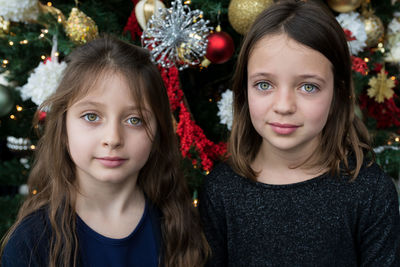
309	88
263	86
135	121
91	117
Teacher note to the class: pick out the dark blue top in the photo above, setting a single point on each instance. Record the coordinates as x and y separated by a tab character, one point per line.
29	245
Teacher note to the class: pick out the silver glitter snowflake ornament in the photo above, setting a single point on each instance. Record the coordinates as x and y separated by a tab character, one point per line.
176	36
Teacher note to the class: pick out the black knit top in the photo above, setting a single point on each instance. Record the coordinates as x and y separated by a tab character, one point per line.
324	221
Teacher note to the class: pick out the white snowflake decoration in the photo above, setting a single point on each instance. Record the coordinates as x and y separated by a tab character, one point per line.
393	40
43	81
19	10
3	80
176	36
225	108
352	22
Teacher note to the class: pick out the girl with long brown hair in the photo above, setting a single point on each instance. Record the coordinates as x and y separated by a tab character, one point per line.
109	190
300	188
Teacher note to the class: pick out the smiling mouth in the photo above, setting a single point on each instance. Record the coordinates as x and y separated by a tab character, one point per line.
283	129
111	162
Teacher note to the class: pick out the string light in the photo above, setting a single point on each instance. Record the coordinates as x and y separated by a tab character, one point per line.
380	45
5	61
43	57
397	139
366	59
33	147
393	78
24	42
11	43
12	116
41	35
207	172
19	108
210	100
34	192
56	54
195	202
49	4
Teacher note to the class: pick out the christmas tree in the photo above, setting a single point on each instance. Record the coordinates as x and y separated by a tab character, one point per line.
195	44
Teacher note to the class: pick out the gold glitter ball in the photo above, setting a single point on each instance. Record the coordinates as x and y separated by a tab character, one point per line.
80	28
242	13
374	29
344	6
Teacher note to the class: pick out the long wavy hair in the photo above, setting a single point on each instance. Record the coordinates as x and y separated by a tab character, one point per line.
53	174
311	24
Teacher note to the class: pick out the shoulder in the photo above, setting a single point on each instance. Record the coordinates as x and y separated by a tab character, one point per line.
221	179
29	242
373	178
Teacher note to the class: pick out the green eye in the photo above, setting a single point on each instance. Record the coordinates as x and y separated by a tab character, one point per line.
135	121
309	88
91	117
263	86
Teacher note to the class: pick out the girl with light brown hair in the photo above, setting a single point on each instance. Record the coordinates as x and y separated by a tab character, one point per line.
300	187
109	192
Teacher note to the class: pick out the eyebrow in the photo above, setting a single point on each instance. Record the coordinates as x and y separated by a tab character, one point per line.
304	76
90	104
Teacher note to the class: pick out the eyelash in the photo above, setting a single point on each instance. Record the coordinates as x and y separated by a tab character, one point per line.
86	117
314	87
129	121
258	84
139	121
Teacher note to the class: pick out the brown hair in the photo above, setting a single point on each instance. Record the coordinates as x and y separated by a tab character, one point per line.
53	174
313	25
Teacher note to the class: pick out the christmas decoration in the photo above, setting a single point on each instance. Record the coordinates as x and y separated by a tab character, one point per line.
80	28
190	134
144	9
352	22
54	11
6	101
132	24
19	11
242	13
359	65
43	81
393	41
225	109
18	144
373	28
381	87
344	5
4	26
220	47
176	36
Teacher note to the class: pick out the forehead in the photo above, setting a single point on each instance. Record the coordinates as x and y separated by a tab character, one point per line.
279	52
112	85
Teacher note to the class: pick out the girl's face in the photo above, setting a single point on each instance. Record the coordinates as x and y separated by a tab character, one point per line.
290	91
106	137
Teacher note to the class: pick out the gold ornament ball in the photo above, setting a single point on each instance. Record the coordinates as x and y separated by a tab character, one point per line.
242	13
344	6
80	28
374	29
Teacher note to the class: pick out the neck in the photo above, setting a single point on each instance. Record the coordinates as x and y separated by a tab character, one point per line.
107	199
284	167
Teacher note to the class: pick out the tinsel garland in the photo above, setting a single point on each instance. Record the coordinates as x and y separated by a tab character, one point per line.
132	25
190	134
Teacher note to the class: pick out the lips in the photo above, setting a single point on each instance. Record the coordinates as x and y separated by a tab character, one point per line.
111	162
283	129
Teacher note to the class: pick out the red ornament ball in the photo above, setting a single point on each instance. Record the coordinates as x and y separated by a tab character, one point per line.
220	47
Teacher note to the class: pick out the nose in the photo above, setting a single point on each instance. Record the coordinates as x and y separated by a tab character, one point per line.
285	101
112	135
